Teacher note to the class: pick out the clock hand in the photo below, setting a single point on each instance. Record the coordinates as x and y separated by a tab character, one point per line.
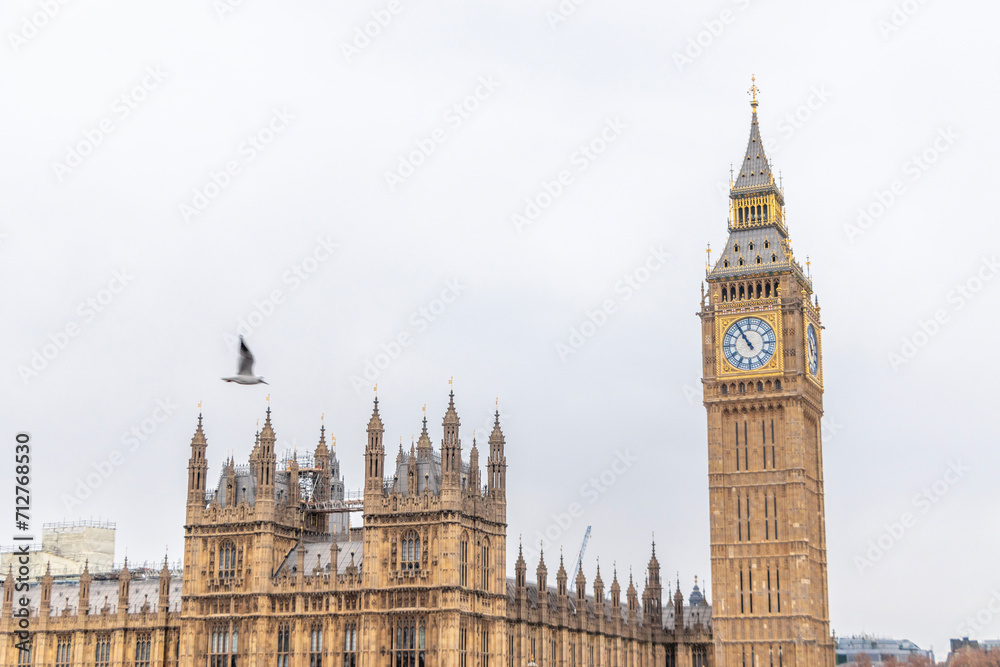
742	333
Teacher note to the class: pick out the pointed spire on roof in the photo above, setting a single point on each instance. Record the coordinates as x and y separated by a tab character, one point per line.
451	416
375	423
755	170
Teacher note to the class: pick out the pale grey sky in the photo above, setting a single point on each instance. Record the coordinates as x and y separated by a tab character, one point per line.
187	164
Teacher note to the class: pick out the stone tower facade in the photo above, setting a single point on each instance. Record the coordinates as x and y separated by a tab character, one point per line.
763	392
269	579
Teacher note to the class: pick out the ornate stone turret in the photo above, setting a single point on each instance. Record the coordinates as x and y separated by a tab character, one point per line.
197	468
633	600
321	486
599	593
374	454
581	592
124	589
561	589
424	445
616	595
678	608
264	461
496	466
473	484
46	603
8	591
652	597
412	483
451	448
164	597
84	604
520	569
542	581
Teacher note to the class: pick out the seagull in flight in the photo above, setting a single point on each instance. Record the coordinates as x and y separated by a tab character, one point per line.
245	373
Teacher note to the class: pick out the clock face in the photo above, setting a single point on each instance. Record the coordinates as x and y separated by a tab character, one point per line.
813	351
749	343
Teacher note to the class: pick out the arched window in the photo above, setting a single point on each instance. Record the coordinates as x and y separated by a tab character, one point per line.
283	651
725	263
316	646
740	214
767	244
408	645
759	286
409	550
484	563
760	386
350	646
223	646
463	560
741	261
725	294
751	245
743	388
767	290
742	291
777	385
142	650
732	293
758	259
725	390
765	211
774	257
227	560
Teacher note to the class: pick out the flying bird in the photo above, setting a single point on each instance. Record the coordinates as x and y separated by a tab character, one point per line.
245	373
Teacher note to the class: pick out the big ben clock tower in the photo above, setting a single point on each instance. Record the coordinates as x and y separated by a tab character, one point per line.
763	382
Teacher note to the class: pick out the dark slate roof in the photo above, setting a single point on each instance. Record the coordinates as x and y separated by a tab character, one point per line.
140	590
319	553
428	473
728	263
755	172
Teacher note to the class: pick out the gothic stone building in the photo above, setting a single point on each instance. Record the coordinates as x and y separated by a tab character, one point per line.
273	575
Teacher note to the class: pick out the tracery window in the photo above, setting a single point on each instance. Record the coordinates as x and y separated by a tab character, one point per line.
223	647
64	650
102	651
283	645
143	644
351	645
463	560
410	551
227	560
24	656
316	647
409	643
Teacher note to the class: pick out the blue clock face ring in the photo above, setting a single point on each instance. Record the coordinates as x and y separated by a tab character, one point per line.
749	343
813	349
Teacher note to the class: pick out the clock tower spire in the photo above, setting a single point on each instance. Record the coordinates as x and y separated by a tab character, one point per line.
763	392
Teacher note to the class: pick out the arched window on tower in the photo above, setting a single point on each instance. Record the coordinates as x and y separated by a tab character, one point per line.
777	385
409	551
227	560
725	390
767	290
743	388
463	560
484	563
765	211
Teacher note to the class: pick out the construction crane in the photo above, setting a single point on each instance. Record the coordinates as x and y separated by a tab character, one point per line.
579	559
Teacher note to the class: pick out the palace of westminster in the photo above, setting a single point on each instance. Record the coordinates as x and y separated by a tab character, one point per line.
274	575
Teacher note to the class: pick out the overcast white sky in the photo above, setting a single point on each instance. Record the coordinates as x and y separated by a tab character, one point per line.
117	115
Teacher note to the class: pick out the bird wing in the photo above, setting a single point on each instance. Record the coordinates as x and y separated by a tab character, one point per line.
246	359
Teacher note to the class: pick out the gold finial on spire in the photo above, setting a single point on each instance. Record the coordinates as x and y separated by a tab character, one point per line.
753	91
334	439
268	399
199	405
375	389
322	416
708	250
451	380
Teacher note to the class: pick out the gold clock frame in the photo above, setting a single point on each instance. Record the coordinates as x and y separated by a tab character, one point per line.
818	378
777	362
